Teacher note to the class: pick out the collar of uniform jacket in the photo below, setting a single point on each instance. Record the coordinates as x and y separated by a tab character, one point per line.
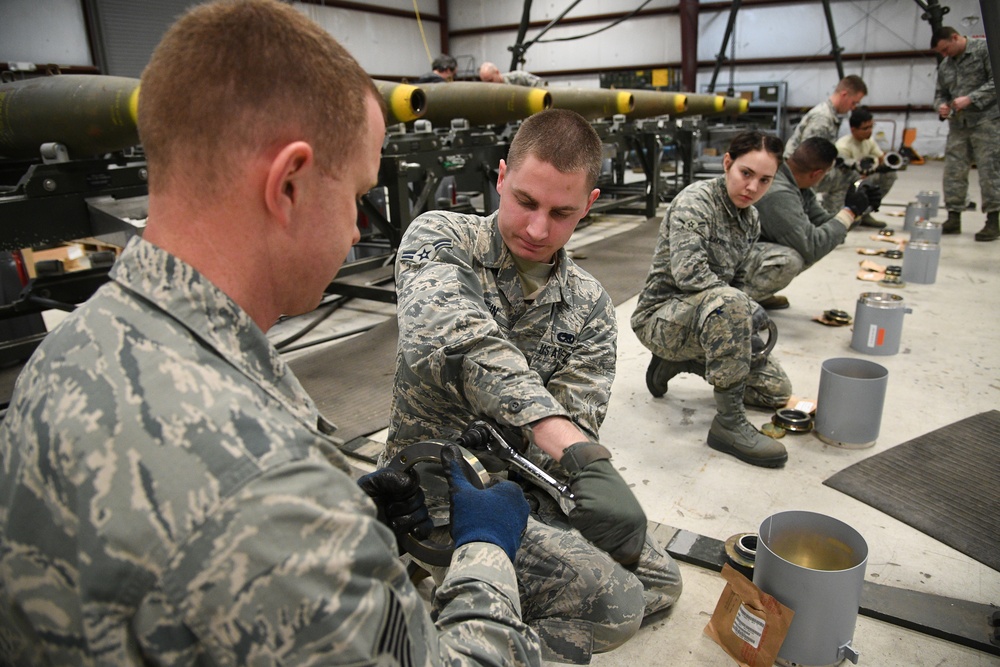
181	292
493	253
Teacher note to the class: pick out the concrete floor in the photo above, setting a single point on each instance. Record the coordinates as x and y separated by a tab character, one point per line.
948	368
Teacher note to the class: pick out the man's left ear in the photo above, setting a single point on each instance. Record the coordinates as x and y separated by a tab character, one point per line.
594	194
283	186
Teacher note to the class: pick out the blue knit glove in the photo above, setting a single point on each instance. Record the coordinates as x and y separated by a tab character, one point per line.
497	514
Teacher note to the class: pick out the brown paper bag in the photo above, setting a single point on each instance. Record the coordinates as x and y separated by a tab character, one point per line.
748	623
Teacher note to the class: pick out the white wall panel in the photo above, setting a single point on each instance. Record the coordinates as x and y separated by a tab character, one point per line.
43	31
463	14
641	41
384	45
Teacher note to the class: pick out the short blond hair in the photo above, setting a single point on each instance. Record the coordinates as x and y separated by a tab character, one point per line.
236	77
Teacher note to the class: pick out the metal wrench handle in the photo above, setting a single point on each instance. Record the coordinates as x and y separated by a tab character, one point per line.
498	446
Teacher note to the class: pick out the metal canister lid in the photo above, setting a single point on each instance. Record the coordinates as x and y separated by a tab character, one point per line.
923	244
881	300
926	224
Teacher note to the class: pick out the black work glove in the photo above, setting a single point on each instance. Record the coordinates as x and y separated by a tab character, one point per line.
496	514
400	502
607	512
857	201
873	194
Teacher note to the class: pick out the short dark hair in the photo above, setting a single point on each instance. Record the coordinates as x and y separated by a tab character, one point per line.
941	34
853	83
755	140
561	137
860	116
814	153
443	62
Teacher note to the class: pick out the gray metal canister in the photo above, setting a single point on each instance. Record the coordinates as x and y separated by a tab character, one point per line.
920	262
915	211
878	322
849	403
815	565
925	230
931	199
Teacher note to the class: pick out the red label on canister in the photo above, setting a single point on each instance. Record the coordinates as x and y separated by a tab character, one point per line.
880	339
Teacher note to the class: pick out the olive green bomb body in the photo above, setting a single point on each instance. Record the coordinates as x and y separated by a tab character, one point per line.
482	103
89	114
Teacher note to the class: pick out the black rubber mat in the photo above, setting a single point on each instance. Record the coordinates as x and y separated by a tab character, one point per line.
621	262
945	484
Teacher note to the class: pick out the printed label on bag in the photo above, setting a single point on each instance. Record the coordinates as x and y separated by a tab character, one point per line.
748	626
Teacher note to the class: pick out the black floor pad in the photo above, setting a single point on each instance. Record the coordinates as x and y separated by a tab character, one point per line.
945	484
622	261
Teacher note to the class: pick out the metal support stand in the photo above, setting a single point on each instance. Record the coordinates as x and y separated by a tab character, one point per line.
731	25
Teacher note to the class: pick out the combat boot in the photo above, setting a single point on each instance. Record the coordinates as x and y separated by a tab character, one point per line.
867	220
991	232
953	225
733	434
661	371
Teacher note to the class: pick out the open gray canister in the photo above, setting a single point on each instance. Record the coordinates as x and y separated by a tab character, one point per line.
849	402
815	565
932	200
915	211
920	262
926	230
878	322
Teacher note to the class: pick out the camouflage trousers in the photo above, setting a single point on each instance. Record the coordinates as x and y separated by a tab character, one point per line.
965	145
833	199
573	594
713	327
576	597
771	268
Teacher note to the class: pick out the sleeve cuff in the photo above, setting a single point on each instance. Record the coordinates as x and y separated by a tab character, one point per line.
845	217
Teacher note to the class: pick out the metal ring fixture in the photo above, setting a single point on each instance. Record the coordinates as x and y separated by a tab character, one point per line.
837	316
741	550
793	420
893	254
894	270
772	338
893	160
429	451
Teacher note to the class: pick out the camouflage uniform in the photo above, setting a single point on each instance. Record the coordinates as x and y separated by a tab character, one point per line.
694	305
974	132
168	496
821	121
794	226
471	346
853	151
519	77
